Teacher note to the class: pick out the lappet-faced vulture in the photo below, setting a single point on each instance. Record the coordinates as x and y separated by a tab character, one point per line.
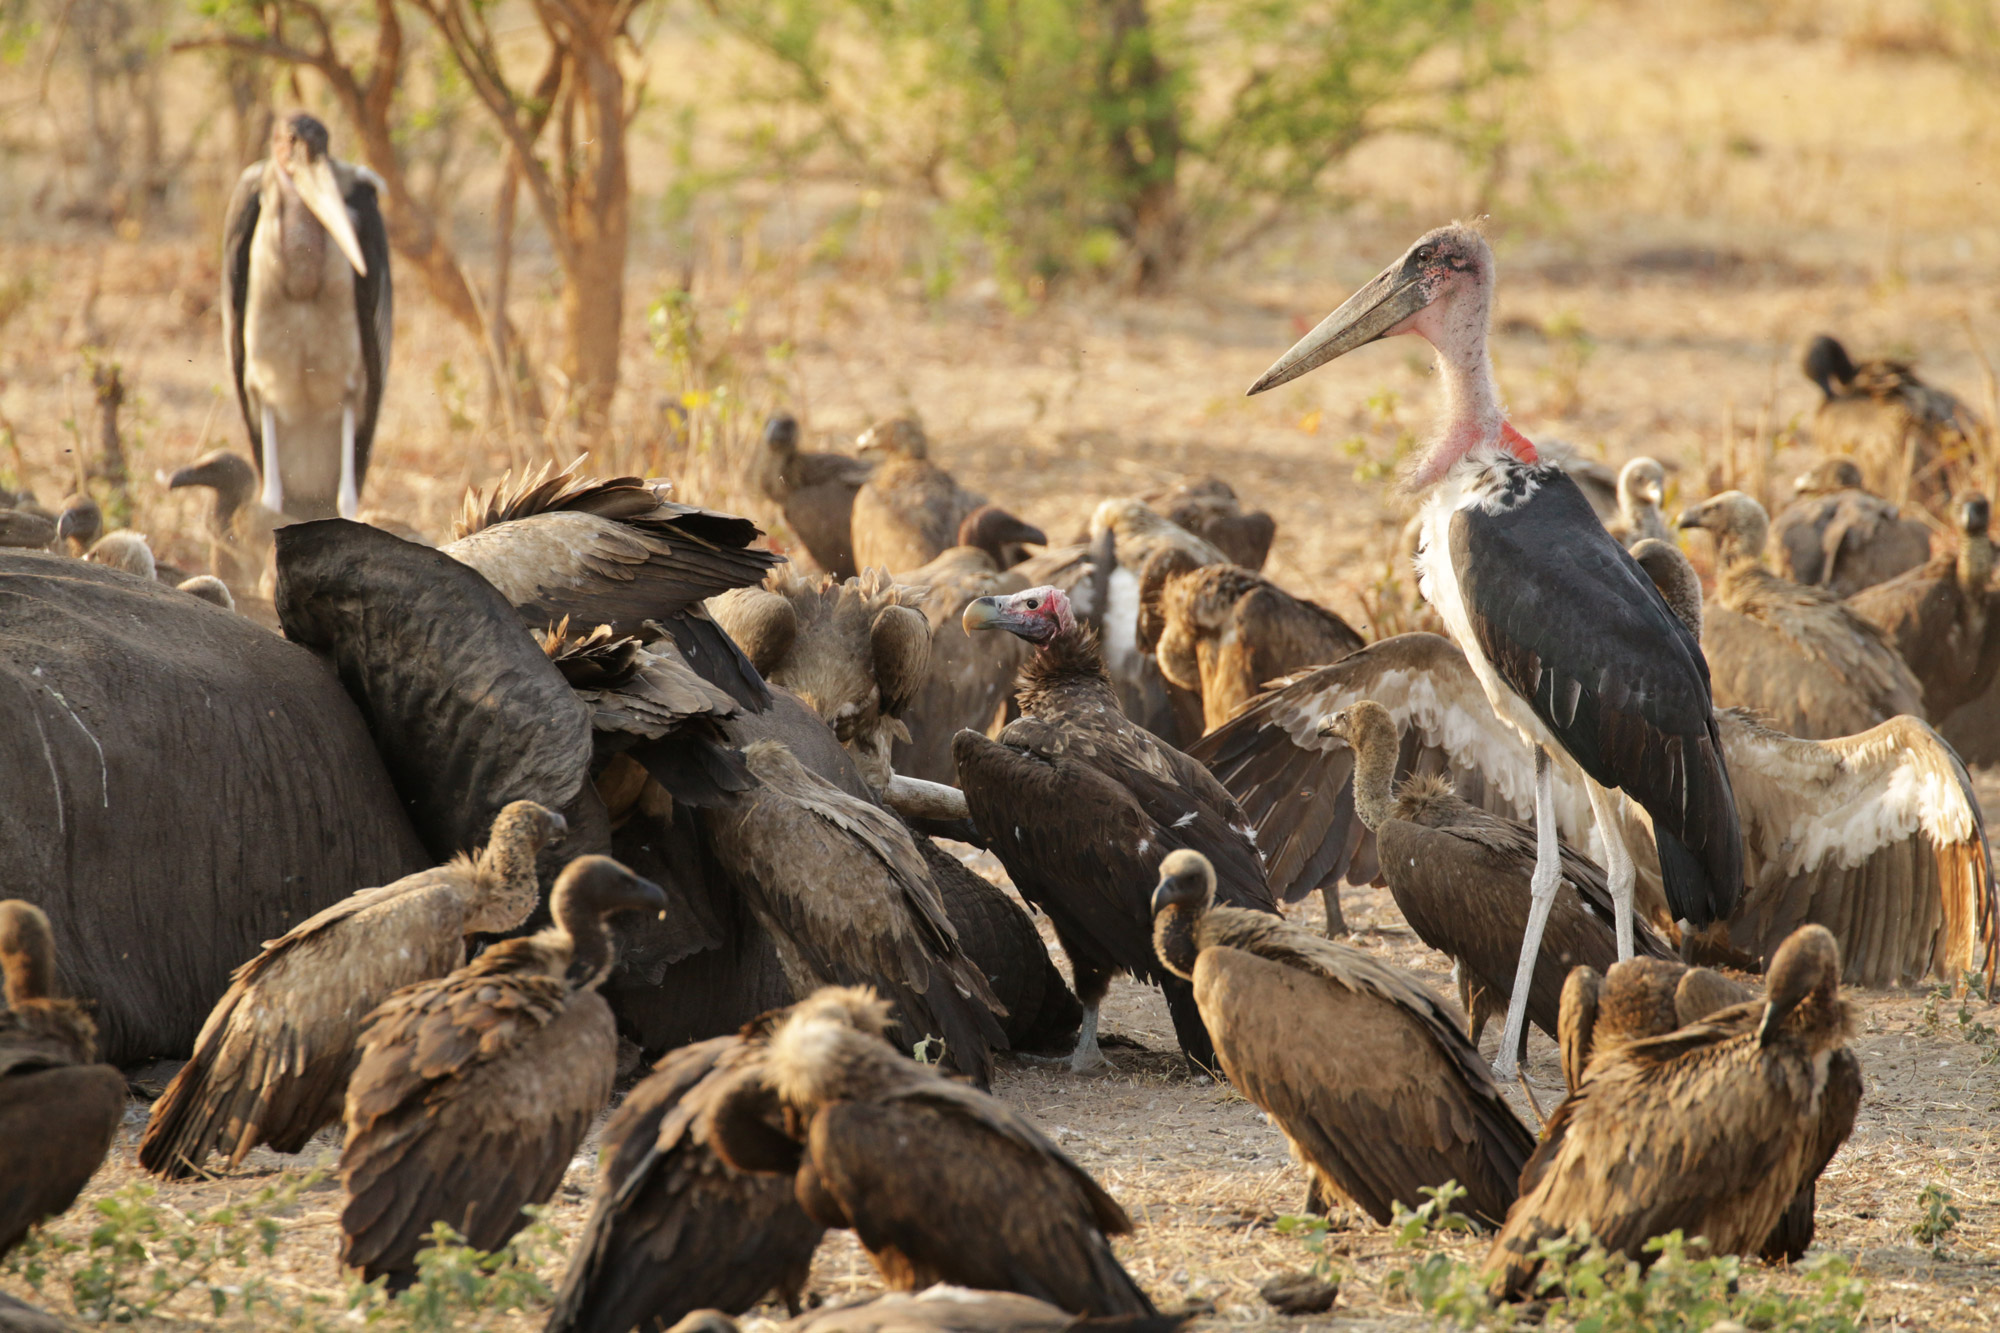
909	510
1915	441
816	492
58	1110
306	319
1835	535
1080	805
616	551
674	1228
1459	876
941	1182
857	651
1368	1076
1936	615
1795	655
474	1090
1710	1130
1642	485
1225	633
272	1062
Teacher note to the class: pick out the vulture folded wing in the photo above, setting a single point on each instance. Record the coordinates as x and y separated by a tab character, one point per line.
56	1124
1876	836
945	1188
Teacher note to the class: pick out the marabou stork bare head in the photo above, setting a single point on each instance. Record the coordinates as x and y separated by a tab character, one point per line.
304	168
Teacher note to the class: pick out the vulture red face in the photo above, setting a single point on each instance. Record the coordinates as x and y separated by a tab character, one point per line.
1037	615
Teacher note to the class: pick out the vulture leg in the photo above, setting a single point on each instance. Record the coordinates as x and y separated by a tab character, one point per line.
1618	871
350	494
1542	893
1091	985
1336	924
274	485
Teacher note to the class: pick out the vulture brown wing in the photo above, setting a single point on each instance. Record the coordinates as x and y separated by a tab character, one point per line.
469	1101
940	1190
272	1061
1876	836
1189	809
674	1228
56	1124
1368	1076
1839	1104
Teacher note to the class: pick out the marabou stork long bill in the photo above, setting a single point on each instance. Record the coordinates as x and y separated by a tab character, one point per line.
1572	643
306	319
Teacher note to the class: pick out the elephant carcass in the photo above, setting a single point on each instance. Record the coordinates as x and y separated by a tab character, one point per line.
185	785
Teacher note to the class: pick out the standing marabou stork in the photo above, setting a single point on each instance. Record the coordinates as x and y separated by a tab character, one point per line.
1571	642
306	318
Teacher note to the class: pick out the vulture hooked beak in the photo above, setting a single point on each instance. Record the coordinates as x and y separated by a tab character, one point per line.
1395	294
1037	615
1186	880
312	176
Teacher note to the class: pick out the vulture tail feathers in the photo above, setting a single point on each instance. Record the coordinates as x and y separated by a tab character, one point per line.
715	657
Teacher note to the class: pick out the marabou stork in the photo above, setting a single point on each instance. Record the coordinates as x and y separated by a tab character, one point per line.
306	319
1571	642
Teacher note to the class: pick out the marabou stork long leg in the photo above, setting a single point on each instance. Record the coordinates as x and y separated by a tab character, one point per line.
1542	893
350	494
1605	812
274	485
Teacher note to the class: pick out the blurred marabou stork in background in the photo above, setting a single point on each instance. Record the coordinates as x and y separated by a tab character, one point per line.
306	319
1571	642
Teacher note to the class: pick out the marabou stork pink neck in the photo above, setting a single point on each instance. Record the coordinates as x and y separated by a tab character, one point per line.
1455	325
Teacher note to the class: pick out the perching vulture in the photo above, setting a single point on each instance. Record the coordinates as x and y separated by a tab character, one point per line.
1642	485
673	1227
1835	535
941	1182
1080	805
1207	507
970	680
616	551
272	1061
1915	442
58	1111
1460	874
842	890
815	490
238	526
1042	1012
1124	537
909	510
1368	1076
1935	615
1794	655
473	1091
1709	1130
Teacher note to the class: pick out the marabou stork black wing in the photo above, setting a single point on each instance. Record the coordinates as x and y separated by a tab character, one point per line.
374	309
245	206
1577	629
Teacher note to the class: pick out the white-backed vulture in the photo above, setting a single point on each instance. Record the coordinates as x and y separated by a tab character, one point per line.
1915	442
473	1091
209	589
909	510
674	1228
816	492
1710	1130
1794	655
1460	874
1080	805
272	1062
58	1111
616	551
125	550
1207	507
940	1181
1000	535
1224	632
238	526
848	899
1124	536
1642	486
1374	1086
1936	615
1835	535
858	651
79	524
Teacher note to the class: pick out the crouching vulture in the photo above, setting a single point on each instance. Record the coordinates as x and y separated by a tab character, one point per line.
941	1182
473	1091
1936	615
1371	1081
1207	507
1915	439
674	1228
909	510
1709	1130
1460	877
271	1064
816	492
58	1110
1081	805
1837	536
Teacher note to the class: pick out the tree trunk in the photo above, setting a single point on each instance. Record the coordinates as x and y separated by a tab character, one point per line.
1144	151
596	207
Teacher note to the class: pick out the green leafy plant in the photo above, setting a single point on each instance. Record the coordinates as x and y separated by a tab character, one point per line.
1939	1219
1314	1233
455	1281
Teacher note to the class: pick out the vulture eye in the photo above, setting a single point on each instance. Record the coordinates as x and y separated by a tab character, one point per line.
1034	604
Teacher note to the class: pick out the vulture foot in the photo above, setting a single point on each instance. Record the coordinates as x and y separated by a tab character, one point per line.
1088	1056
1336	923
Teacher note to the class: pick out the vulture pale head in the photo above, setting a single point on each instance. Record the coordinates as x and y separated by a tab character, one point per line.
1037	614
898	437
1802	990
1642	484
27	952
224	471
1738	523
210	589
305	170
79	524
1828	475
128	551
830	1048
529	822
1182	898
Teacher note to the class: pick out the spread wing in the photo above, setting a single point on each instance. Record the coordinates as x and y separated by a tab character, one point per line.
1876	836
